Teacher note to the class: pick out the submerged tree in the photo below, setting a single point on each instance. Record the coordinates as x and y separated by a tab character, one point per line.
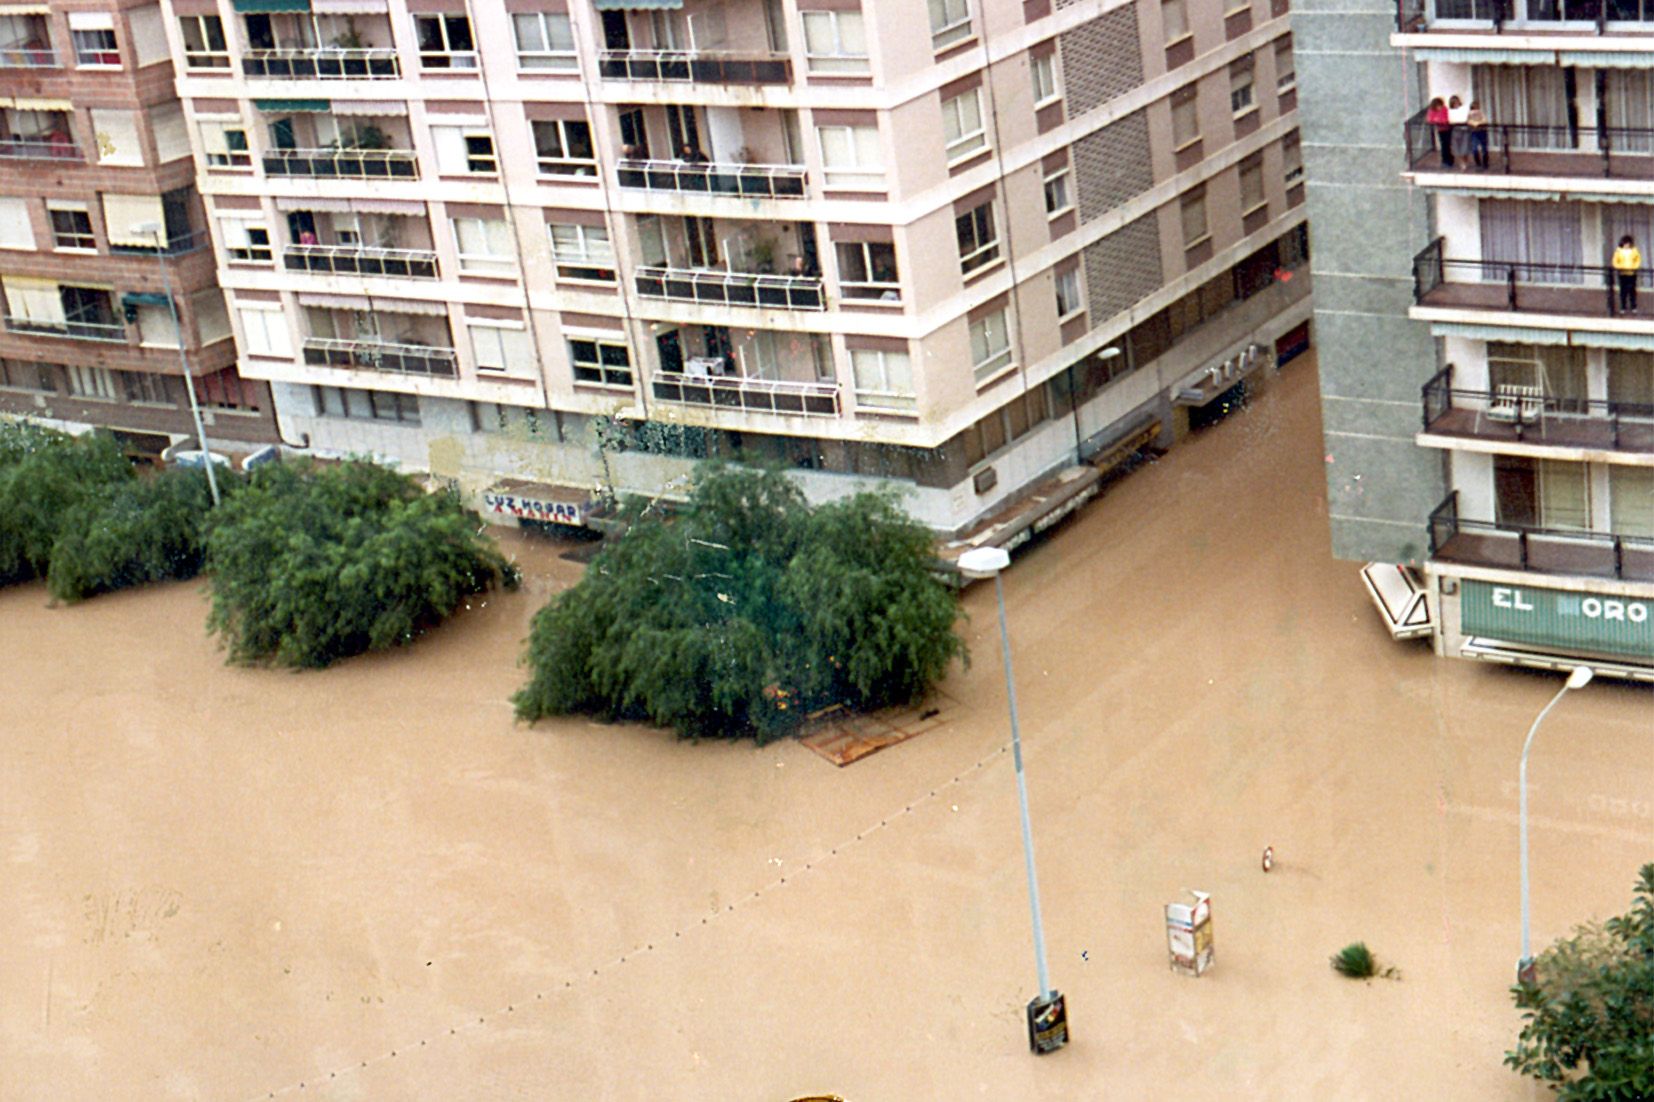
44	474
744	612
131	532
310	564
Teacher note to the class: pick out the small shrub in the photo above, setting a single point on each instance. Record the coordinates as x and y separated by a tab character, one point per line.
44	474
132	532
1356	961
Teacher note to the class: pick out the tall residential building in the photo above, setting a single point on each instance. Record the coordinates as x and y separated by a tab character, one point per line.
1488	387
105	262
584	243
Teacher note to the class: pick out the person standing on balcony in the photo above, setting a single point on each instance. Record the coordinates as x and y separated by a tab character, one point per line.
1458	125
1435	116
1628	262
1476	123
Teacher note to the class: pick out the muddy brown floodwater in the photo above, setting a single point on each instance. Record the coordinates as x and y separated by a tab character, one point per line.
368	883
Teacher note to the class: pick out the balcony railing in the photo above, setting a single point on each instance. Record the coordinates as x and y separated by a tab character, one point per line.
1625	152
694	67
72	330
756	181
361	260
1523	286
394	359
1520	414
752	395
40	149
1589	16
322	63
1542	550
355	164
732	288
43	57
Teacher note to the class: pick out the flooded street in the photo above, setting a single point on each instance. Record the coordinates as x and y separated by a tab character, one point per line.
369	883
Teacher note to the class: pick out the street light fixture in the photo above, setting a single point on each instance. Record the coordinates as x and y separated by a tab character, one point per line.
1110	353
1047	1015
155	230
1578	679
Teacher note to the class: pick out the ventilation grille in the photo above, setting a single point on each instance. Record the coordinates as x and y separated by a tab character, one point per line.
1123	268
1112	165
1101	59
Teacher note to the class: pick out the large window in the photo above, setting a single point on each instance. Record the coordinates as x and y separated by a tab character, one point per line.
485	246
366	405
264	331
227	390
71	225
835	42
204	46
92	382
30	375
1043	72
545	40
884	379
950	22
225	144
146	388
461	151
990	345
445	42
962	130
605	363
582	252
96	48
1069	302
515	420
1058	196
867	269
1240	86
978	237
564	147
500	347
246	239
851	156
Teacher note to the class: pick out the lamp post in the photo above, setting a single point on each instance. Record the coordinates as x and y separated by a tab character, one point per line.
1109	353
155	230
1047	1014
1578	679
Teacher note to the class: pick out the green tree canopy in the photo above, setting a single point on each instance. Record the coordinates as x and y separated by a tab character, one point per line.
314	563
134	531
44	474
1589	1016
745	611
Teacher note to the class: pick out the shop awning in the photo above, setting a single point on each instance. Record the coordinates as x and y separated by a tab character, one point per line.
284	106
636	5
266	7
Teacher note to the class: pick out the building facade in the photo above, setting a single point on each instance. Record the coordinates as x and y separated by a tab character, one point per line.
1487	373
585	243
105	264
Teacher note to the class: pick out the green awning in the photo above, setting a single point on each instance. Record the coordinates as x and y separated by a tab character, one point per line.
285	106
636	5
144	298
264	7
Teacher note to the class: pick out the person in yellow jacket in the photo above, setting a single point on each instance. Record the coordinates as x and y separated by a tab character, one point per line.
1628	261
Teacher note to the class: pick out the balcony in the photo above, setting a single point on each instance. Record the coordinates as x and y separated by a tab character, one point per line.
1605	152
1524	16
58	147
815	399
383	356
321	63
732	288
360	260
744	180
695	67
1527	415
351	164
1582	290
71	330
1541	550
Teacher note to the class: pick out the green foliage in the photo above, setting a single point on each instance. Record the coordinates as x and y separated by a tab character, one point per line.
1588	1019
132	532
311	564
744	613
1356	961
43	475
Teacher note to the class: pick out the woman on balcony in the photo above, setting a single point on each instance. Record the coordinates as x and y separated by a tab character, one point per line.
1435	116
1458	128
1477	125
1628	262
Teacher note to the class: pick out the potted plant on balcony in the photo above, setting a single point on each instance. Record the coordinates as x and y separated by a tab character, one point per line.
763	256
348	41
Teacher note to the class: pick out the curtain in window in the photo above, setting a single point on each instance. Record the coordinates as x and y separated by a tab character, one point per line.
1631	500
1631	382
1630	110
1564	495
1542	241
1531	100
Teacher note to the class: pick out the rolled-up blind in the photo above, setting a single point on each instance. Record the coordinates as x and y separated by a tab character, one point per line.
123	214
37	300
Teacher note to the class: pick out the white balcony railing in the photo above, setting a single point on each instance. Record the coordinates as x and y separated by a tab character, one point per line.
355	164
818	399
72	330
322	63
732	288
40	149
361	260
750	181
394	359
698	67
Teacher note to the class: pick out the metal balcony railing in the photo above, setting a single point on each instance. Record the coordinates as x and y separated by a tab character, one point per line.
72	330
40	149
760	181
1542	550
394	359
13	57
322	63
1528	415
732	288
361	260
1590	16
816	399
1625	152
694	67
356	164
1519	285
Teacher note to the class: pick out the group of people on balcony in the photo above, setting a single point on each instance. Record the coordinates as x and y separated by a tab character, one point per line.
1461	132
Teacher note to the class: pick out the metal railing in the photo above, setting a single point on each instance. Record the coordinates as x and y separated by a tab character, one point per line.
322	63
383	356
41	149
816	399
1537	418
732	288
1541	550
391	164
1594	15
1527	285
694	67
73	330
360	260
178	245
762	181
29	58
1624	151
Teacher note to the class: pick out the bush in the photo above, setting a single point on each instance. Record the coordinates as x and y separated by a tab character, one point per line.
44	475
1356	961
132	532
311	564
744	613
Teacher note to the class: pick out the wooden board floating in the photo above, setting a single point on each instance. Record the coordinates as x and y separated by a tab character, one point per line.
843	737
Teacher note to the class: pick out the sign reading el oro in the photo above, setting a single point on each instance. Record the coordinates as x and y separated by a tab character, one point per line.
1557	618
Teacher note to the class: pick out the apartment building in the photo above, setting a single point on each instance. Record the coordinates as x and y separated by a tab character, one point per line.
1488	381
105	266
583	244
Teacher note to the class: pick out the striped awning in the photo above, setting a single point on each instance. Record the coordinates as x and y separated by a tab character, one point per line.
375	305
1490	56
1515	334
349	7
1607	59
285	106
1556	196
1635	342
636	5
23	103
410	207
383	107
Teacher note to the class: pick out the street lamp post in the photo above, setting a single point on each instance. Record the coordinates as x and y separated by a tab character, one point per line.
1578	679
1105	354
1047	1015
155	230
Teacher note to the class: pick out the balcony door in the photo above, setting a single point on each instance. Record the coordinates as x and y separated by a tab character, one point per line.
1556	372
1631	383
1543	241
683	129
1532	100
1628	110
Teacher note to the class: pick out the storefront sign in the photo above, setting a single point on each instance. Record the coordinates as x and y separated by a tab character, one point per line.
1557	618
533	508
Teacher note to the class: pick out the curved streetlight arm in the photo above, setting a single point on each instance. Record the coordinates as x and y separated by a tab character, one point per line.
1579	678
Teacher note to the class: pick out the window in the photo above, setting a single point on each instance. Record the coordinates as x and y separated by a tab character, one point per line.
1174	17
71	227
225	145
144	387
204	46
950	22
867	269
516	420
246	240
1251	184
96	49
990	345
445	42
1068	293
226	390
500	347
1057	197
978	237
1043	72
962	124
15	232
91	382
1185	116
1631	500
264	332
1292	158
582	252
1240	86
485	246
464	152
606	363
545	40
479	154
1286	76
851	156
564	147
28	375
365	405
884	380
835	42
1193	213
